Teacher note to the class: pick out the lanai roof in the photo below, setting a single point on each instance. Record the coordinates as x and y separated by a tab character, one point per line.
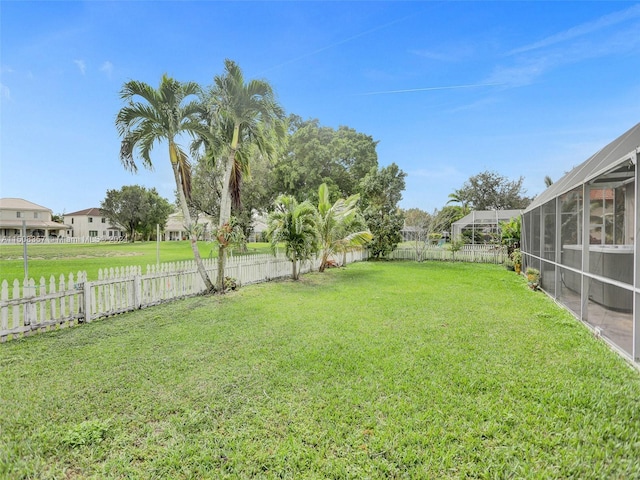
616	153
484	217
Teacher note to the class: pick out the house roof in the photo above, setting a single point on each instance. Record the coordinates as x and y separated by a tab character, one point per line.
176	221
94	212
621	150
32	223
20	204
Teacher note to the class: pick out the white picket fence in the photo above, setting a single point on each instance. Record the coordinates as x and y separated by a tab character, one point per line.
27	307
481	253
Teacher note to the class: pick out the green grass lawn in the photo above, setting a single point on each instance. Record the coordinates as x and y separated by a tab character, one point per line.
380	370
56	259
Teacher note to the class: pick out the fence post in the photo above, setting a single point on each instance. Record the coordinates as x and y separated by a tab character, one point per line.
86	292
137	292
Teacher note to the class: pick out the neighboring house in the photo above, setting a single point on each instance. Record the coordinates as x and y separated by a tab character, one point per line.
37	219
175	230
483	224
90	223
259	227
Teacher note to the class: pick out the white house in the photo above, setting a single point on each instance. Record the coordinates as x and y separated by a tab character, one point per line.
37	219
90	223
175	229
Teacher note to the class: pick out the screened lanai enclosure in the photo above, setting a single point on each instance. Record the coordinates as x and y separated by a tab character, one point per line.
482	226
581	234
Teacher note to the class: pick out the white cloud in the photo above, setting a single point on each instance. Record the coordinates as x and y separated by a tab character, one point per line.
522	74
5	93
81	66
428	89
446	54
107	67
582	30
438	172
572	46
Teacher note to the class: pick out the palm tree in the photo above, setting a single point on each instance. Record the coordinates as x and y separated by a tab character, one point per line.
294	225
547	181
164	114
246	120
334	222
459	196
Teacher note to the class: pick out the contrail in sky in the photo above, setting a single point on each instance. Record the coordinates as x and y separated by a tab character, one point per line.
346	40
427	89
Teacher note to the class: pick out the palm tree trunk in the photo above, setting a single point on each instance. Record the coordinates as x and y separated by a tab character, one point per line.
323	261
294	274
192	236
225	208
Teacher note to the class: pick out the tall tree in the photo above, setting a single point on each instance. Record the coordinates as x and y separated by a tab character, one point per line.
490	191
156	213
247	120
381	193
136	209
334	225
163	114
126	207
462	197
317	154
294	225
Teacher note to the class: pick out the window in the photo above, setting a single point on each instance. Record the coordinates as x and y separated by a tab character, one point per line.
103	220
35	214
18	214
93	233
71	220
90	219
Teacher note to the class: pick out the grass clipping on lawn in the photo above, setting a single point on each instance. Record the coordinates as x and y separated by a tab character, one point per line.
380	370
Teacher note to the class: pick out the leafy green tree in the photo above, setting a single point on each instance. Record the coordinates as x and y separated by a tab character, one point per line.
381	192
136	209
294	225
462	197
156	213
205	189
316	155
510	233
334	222
163	114
246	120
491	191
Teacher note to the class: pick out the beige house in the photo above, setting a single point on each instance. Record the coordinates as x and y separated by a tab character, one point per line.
37	220
91	224
175	230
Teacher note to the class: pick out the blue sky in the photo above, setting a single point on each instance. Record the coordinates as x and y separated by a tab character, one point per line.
449	89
